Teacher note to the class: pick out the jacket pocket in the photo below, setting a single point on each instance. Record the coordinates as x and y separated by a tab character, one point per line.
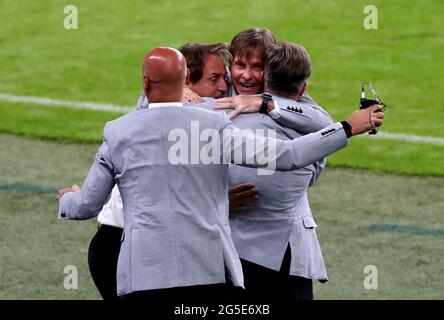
309	222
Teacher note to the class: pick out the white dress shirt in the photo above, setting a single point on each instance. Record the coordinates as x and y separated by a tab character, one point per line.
112	212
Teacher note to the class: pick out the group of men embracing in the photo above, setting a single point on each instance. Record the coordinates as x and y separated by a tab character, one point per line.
220	229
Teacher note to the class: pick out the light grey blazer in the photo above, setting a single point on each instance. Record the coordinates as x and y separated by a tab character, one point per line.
282	215
176	228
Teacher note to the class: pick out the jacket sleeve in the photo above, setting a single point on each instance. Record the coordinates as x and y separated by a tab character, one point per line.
304	115
243	147
89	200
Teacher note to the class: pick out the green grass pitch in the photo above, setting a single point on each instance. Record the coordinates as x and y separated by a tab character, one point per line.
101	62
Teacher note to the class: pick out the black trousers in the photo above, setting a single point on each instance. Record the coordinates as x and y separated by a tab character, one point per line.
103	254
265	285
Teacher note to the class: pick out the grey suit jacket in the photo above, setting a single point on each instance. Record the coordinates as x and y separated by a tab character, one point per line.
282	215
176	229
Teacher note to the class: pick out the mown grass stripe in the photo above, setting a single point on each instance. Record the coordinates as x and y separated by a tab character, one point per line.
406	229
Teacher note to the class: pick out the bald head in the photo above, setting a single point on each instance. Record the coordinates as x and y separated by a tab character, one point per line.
164	73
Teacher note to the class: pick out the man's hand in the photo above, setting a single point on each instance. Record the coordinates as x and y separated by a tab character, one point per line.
191	96
240	104
242	197
366	119
61	192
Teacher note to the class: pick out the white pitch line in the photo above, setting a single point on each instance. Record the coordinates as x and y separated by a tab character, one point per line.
64	103
408	138
109	107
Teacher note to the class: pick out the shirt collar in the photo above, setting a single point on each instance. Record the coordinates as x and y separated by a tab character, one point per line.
165	104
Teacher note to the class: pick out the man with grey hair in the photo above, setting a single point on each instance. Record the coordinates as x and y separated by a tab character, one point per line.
287	68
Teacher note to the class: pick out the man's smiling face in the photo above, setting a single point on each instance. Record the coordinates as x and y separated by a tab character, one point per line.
247	75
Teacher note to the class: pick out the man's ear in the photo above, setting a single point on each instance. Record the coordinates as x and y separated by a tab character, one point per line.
187	77
304	88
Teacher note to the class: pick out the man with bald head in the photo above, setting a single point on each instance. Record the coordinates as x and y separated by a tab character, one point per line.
164	72
206	65
177	240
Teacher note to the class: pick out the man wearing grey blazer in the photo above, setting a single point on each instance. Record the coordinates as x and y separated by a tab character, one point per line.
206	65
277	240
176	230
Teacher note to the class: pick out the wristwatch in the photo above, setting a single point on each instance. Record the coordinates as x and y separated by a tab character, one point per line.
265	99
